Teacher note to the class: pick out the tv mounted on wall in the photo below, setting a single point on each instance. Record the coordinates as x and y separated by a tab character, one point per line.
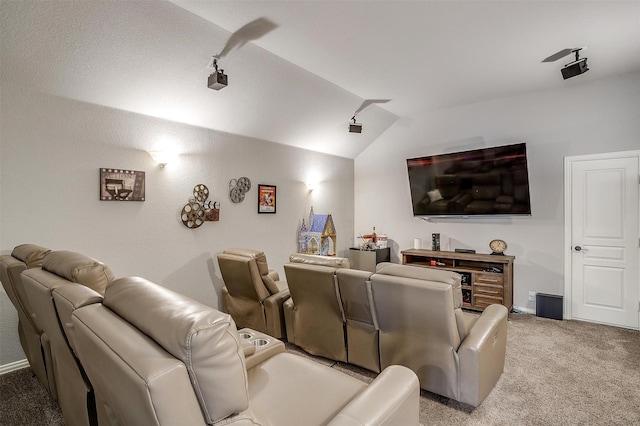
480	182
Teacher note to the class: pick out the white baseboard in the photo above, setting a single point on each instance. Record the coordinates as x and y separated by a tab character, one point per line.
525	310
13	366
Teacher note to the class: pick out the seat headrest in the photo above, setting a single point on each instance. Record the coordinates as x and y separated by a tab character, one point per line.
312	259
204	339
78	268
259	256
426	274
31	254
429	274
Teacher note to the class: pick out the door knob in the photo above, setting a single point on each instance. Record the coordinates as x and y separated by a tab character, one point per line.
578	248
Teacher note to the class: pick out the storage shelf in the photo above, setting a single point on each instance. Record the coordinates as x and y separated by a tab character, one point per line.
481	286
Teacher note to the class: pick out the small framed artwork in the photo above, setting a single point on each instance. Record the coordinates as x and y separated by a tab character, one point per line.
121	185
266	198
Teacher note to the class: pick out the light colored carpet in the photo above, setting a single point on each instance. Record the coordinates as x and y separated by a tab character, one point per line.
556	373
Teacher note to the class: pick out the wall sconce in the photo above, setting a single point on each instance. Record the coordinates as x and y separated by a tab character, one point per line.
162	157
311	186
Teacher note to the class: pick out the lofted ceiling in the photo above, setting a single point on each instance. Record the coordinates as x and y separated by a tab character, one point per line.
300	83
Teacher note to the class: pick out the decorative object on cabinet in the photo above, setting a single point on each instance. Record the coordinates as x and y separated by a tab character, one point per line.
319	237
121	185
198	210
239	187
435	241
498	247
486	279
266	198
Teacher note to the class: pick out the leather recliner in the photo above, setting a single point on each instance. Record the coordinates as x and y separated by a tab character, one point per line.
157	357
423	327
313	315
253	294
60	269
35	346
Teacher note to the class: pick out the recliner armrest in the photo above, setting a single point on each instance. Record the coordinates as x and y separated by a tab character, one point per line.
274	315
482	354
393	398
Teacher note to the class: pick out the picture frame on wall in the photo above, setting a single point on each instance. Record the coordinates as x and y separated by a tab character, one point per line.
266	198
121	185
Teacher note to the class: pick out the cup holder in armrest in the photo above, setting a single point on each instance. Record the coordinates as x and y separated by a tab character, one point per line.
246	336
261	342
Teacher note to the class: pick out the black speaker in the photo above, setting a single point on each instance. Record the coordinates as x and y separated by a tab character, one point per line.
576	68
549	306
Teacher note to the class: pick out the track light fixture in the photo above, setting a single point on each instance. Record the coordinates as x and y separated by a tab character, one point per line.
355	127
577	67
218	79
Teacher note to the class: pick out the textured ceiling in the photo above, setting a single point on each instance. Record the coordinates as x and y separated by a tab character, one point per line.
301	83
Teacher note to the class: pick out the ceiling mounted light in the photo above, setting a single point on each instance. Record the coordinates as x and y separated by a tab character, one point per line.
218	79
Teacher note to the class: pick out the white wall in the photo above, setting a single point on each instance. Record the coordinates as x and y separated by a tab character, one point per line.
52	149
603	116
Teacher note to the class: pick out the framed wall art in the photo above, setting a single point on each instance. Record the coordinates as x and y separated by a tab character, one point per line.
266	198
121	185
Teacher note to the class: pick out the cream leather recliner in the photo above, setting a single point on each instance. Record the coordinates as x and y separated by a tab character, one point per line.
313	314
423	327
157	357
60	269
253	294
35	347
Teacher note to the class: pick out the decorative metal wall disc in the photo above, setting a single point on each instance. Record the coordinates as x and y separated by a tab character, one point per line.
192	215
200	193
237	189
244	184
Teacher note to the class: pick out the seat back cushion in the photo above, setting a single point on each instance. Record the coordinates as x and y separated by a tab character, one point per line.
31	254
418	329
318	317
136	381
204	339
268	278
435	275
313	259
25	256
242	277
78	268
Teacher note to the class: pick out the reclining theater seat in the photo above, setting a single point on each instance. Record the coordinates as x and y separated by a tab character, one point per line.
66	269
422	327
35	346
313	314
253	294
178	362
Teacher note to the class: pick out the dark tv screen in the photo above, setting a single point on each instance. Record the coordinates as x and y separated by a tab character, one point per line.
488	181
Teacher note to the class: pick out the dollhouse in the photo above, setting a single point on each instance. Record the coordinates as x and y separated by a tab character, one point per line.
319	237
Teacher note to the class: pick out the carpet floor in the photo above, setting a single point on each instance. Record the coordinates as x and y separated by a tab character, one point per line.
556	373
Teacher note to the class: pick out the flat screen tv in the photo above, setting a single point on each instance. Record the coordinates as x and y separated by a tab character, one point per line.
480	182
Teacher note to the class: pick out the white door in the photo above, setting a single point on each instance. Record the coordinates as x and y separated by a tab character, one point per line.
603	221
